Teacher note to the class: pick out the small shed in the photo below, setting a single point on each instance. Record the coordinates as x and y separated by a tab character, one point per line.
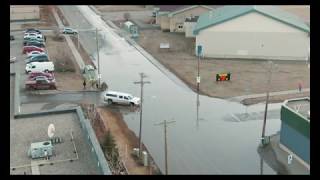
131	28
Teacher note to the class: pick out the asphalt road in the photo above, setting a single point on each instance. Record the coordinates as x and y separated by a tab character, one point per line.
209	144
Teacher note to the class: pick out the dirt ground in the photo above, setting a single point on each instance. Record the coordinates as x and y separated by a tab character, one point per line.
124	138
46	19
59	51
247	76
117	8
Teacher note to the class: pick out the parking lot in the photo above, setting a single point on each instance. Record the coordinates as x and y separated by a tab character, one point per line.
70	157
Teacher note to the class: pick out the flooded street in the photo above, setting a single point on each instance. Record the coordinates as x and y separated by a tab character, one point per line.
222	140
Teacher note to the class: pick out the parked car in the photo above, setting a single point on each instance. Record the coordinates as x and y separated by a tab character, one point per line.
39	58
34	53
32	30
12	59
35	43
39	66
121	98
69	31
40	83
33	75
11	37
27	49
31	39
36	35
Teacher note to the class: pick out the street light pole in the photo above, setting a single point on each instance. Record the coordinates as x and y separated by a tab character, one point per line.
267	102
165	123
99	76
141	82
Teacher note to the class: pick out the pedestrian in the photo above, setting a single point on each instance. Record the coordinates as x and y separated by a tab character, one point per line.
97	85
46	154
300	87
45	38
84	84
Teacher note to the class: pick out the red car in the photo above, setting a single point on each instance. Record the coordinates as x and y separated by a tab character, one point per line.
33	75
27	49
40	83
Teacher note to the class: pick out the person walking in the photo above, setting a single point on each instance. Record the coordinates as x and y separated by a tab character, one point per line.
84	84
300	87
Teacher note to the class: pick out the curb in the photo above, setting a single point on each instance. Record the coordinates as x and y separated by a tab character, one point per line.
46	92
95	10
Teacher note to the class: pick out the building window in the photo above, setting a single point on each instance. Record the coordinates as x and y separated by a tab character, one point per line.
180	27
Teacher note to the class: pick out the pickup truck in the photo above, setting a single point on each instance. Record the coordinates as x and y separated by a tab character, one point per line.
40	83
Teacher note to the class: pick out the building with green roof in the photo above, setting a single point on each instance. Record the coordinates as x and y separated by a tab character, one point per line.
252	32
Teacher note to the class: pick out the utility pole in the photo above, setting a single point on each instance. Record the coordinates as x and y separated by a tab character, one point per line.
267	102
165	123
141	82
99	75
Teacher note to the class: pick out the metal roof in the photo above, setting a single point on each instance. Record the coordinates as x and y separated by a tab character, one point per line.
227	13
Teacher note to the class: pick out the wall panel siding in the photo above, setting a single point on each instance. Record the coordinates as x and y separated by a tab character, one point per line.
294	141
255	45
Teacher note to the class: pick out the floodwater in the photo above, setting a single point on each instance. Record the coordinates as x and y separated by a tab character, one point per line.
217	142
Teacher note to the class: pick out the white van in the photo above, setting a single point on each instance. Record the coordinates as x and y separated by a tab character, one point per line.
121	98
40	67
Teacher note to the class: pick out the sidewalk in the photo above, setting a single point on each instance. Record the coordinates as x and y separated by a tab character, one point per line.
74	50
241	98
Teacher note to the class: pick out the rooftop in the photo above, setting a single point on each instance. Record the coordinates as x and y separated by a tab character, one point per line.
25	131
227	13
300	106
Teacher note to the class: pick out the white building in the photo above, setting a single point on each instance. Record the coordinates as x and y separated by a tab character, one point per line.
252	32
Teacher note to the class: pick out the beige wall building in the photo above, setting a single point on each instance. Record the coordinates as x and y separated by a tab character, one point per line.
173	20
254	34
24	12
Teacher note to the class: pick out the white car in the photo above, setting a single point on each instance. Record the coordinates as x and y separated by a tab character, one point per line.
12	59
120	98
34	53
39	67
34	35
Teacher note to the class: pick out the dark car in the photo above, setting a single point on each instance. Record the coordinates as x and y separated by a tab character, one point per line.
35	40
38	58
35	43
32	30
